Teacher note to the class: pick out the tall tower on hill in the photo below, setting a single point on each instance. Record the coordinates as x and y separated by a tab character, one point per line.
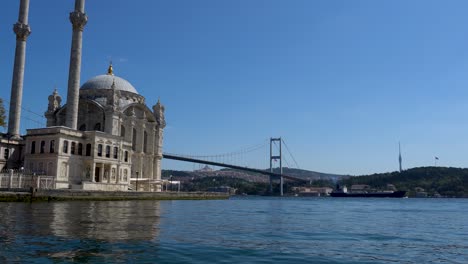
399	155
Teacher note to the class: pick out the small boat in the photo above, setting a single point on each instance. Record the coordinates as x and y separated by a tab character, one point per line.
342	192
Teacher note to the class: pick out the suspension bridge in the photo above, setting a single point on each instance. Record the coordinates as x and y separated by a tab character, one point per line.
276	154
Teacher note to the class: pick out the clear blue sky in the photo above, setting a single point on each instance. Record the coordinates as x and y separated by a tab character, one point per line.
341	81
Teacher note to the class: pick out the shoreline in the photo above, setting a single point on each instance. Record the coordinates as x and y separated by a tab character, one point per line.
23	195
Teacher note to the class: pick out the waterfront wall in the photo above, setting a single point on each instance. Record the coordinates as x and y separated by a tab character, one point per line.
70	195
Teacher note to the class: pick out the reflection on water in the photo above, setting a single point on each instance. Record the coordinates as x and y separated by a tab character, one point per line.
242	230
75	231
110	221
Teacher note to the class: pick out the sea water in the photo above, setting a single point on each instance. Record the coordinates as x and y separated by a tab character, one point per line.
238	230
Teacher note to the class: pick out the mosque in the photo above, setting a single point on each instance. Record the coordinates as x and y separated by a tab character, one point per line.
104	137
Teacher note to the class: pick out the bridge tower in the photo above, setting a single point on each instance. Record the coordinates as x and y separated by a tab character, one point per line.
274	158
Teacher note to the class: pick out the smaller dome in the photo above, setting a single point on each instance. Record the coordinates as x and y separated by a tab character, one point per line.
105	81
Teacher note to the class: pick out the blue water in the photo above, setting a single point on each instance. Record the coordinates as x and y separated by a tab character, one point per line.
239	230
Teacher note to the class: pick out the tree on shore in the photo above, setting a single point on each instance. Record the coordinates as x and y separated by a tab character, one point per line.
2	114
446	181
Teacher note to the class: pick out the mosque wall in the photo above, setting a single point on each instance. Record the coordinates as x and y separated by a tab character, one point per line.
89	158
76	157
10	153
91	116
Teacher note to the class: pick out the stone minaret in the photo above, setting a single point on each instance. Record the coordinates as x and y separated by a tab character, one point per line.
22	31
112	109
78	18
158	112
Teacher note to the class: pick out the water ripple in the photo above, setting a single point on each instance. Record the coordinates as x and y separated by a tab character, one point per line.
240	230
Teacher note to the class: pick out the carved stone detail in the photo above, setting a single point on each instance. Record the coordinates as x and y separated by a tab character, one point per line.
158	110
113	100
78	20
54	101
22	31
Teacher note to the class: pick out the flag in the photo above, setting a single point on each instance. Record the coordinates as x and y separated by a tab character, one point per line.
437	158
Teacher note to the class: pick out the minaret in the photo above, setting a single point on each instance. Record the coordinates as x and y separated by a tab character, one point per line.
158	112
111	110
22	31
399	155
78	19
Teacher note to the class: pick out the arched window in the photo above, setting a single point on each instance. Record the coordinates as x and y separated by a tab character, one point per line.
122	131
65	146
42	150
145	141
52	146
73	148
97	127
116	150
88	149
80	149
107	151
134	139
33	147
99	150
83	127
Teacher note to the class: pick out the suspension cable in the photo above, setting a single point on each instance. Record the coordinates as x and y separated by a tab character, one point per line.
230	154
287	148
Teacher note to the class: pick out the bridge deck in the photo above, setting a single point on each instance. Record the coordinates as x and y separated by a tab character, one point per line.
174	157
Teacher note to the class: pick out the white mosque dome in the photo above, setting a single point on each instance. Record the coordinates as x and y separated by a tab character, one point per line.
105	81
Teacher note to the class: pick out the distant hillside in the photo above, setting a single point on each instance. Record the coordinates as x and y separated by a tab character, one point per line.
252	177
311	175
449	182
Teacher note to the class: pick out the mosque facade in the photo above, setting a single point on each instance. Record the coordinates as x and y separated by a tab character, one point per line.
104	138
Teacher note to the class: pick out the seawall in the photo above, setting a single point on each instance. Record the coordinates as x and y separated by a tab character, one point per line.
22	195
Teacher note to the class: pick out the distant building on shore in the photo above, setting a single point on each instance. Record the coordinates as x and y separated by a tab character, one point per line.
312	191
205	169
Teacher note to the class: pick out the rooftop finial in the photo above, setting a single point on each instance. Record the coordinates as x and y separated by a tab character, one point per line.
110	70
